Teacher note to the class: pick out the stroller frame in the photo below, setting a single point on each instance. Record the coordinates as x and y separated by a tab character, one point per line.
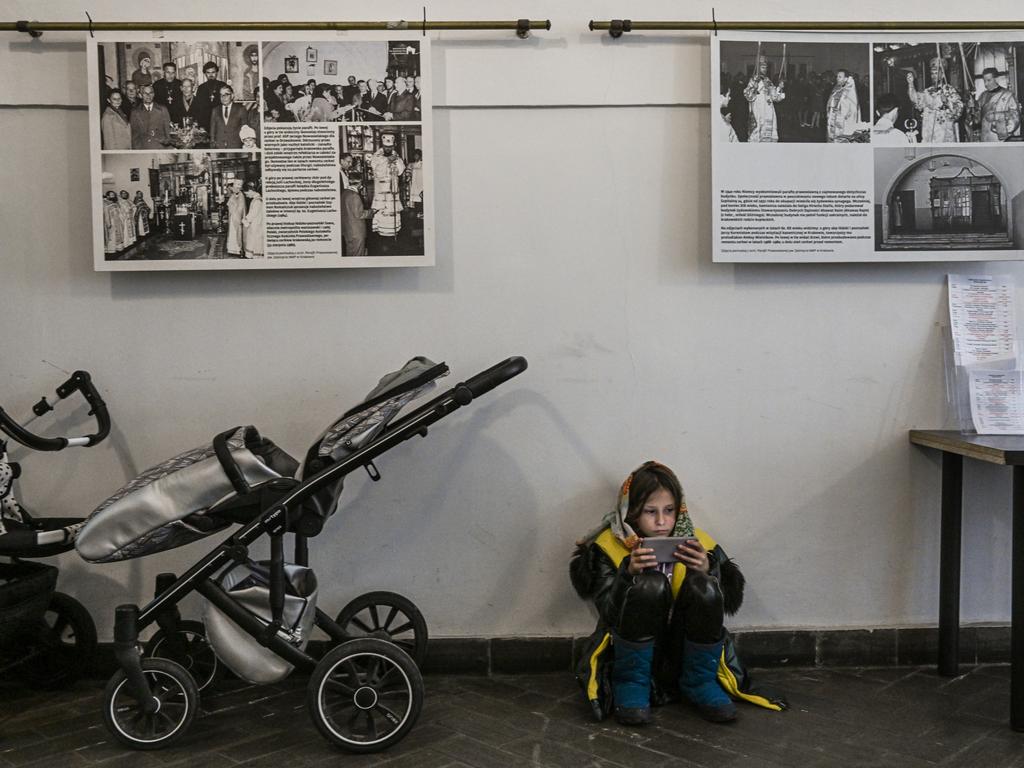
278	499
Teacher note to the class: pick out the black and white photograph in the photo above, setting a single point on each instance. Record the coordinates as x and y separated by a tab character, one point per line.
382	190
911	184
217	174
948	92
182	206
367	81
159	96
936	199
772	92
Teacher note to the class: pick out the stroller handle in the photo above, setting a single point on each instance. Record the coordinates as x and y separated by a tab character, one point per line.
487	380
80	381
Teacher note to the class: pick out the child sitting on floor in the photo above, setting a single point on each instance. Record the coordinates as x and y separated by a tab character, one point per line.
660	631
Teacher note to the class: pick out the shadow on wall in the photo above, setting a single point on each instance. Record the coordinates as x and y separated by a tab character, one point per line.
499	567
424	536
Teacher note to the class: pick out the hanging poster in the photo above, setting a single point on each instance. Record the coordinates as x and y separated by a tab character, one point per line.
274	153
887	147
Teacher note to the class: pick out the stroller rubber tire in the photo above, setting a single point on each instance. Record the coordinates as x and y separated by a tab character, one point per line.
362	617
196	655
66	646
365	695
179	698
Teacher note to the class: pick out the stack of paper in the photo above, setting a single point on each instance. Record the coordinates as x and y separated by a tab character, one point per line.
983	322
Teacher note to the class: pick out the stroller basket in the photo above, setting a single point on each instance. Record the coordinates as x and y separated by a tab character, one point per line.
249	585
25	591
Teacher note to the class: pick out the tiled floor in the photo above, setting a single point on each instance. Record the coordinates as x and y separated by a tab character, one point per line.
850	717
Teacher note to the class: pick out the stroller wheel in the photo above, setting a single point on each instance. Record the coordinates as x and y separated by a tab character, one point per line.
365	695
189	647
64	644
174	689
387	616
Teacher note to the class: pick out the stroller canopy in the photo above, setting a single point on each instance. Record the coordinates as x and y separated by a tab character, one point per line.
360	425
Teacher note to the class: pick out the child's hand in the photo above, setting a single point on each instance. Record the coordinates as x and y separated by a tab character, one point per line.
693	555
640	559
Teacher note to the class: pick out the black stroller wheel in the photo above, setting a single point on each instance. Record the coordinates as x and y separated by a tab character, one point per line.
64	644
387	616
189	647
365	695
174	689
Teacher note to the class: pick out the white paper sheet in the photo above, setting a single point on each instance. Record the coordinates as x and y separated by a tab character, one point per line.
997	405
983	320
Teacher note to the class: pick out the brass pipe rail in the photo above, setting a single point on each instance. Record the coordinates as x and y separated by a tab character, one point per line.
616	27
521	27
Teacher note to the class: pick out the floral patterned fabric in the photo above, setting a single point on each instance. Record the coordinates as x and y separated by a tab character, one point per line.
10	510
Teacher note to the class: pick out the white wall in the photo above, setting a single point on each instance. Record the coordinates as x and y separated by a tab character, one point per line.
577	235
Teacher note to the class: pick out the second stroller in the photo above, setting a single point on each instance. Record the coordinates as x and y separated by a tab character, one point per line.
46	637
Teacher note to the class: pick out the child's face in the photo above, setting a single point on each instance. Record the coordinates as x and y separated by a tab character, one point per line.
658	515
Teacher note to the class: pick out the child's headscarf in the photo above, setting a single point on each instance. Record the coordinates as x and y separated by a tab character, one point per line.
616	517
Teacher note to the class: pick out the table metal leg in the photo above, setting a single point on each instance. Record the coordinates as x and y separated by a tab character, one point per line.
949	563
1017	605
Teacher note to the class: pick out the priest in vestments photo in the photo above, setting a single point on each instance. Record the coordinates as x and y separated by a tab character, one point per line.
763	94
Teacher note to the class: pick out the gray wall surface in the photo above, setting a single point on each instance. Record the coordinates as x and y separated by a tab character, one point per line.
578	235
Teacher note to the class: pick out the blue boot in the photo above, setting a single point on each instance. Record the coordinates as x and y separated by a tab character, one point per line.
699	681
631	681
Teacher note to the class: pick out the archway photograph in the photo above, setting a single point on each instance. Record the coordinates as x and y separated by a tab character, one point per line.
964	198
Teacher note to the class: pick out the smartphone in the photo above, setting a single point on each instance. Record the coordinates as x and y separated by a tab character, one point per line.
665	547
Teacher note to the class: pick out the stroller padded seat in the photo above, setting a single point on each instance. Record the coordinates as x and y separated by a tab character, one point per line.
149	514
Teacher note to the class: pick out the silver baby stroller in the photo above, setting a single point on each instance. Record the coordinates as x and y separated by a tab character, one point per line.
365	694
46	637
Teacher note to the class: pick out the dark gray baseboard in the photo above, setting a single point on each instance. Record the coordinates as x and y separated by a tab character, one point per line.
757	648
883	647
915	646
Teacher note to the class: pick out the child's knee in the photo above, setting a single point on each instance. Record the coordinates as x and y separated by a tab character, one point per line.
645	606
701	590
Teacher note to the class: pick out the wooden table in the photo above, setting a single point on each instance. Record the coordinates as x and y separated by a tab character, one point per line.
995	449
